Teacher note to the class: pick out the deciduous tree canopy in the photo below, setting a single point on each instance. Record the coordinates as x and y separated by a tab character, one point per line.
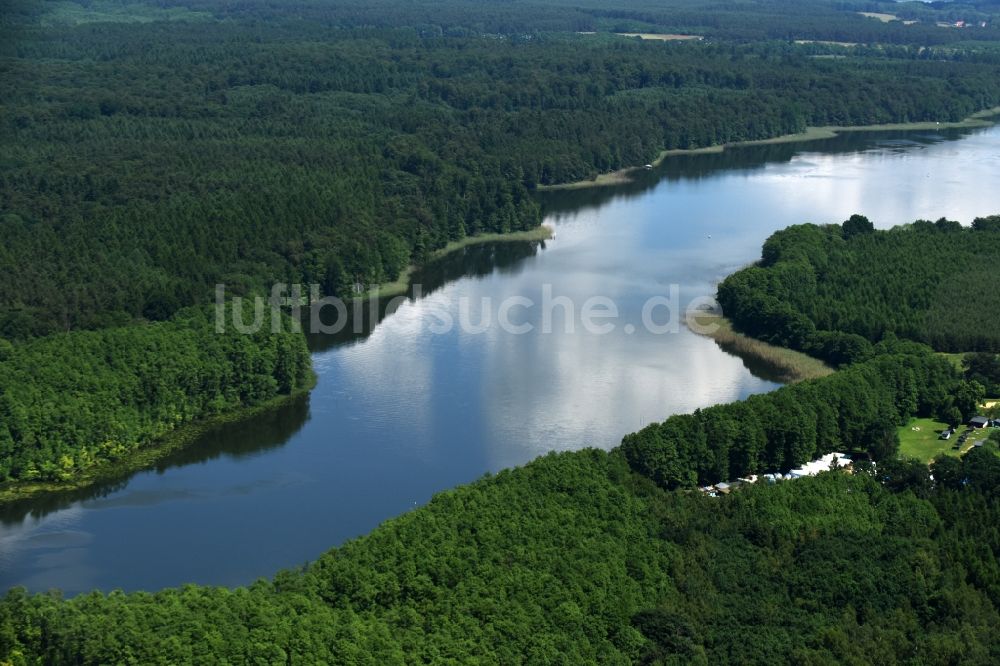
71	401
572	560
834	290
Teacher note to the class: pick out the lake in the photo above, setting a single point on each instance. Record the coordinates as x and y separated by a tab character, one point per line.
406	407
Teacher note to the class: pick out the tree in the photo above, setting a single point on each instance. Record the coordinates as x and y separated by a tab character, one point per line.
900	475
948	472
948	226
856	225
982	469
989	224
983	367
884	442
952	415
968	396
671	633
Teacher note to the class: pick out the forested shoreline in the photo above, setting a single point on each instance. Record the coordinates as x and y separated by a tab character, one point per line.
248	145
78	401
575	557
612	557
339	151
152	150
857	410
833	291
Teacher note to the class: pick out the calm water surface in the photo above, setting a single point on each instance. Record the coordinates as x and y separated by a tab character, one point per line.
401	413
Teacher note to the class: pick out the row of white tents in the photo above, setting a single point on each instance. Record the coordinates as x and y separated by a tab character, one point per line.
825	463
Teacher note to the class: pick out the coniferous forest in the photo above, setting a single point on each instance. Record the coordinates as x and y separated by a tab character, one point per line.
145	162
833	290
152	150
155	150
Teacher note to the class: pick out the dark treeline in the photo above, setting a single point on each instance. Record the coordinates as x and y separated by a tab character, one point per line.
144	162
984	368
857	409
697	166
834	20
833	290
72	401
571	559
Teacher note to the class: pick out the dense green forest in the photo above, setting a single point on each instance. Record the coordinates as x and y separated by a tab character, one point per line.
857	409
335	142
73	401
594	557
573	560
152	150
755	20
832	290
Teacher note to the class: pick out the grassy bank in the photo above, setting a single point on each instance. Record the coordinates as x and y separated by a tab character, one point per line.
147	456
661	37
787	364
620	177
979	119
401	285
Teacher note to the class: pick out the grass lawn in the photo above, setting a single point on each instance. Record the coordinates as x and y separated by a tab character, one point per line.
925	444
954	359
